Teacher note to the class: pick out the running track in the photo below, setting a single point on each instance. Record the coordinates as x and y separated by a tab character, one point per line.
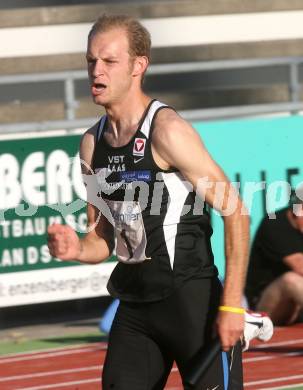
273	365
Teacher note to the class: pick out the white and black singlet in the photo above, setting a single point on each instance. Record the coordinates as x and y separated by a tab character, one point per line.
165	278
162	232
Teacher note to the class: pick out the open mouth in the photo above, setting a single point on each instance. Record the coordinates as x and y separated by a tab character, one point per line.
98	88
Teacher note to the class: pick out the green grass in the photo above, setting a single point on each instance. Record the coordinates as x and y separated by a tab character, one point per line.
292	388
25	345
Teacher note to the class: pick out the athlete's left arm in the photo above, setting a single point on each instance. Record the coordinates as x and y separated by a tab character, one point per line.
176	144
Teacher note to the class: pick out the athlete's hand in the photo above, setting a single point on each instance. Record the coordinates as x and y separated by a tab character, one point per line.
230	327
63	242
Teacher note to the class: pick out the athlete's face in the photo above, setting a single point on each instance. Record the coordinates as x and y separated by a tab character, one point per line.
109	66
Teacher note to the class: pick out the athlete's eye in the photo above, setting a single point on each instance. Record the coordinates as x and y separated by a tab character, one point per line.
110	61
90	60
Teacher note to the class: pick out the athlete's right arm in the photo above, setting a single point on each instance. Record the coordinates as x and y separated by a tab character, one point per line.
98	243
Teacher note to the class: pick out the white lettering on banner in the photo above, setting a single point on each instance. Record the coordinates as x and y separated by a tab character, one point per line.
45	256
77	223
18	256
13	257
58	179
29	227
23	228
32	255
34	226
25	256
17	228
39	181
5	229
77	178
32	181
10	190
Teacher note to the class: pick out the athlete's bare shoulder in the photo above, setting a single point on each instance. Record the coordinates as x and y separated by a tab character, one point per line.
169	126
171	137
88	138
87	144
165	116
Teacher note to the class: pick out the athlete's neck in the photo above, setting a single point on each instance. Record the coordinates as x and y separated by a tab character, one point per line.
124	117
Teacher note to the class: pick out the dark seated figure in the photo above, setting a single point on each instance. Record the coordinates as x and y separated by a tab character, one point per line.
275	274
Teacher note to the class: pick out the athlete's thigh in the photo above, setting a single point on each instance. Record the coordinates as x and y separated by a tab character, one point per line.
194	307
133	361
224	373
198	302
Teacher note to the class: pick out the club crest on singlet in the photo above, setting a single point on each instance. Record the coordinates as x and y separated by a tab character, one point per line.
139	147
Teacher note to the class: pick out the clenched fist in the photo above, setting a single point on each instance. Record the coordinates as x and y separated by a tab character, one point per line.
230	328
63	242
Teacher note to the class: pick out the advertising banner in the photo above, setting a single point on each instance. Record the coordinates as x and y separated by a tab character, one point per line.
40	183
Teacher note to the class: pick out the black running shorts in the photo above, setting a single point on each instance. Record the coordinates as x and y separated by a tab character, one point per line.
146	338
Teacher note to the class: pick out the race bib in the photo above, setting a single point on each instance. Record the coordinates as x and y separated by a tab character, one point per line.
129	231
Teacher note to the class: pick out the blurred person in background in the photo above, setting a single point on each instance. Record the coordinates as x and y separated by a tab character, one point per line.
275	274
166	279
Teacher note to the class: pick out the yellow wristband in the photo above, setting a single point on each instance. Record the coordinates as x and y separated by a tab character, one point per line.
232	309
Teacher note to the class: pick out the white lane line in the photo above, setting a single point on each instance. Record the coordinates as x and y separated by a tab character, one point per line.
59	385
46	355
165	32
100	345
274	355
270	357
59	372
296	385
274	380
48	373
278	344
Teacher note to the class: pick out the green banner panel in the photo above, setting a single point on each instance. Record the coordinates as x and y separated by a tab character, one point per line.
36	175
264	156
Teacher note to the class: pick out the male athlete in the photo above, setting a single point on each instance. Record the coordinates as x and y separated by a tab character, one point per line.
150	165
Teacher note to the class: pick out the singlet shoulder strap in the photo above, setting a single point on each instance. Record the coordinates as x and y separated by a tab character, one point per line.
147	123
100	129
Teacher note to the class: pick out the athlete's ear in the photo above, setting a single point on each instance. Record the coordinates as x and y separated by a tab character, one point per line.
140	66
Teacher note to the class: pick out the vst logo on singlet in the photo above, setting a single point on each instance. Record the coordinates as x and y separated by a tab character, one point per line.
139	147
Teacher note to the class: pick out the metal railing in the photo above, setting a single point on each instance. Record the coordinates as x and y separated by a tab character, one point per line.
69	78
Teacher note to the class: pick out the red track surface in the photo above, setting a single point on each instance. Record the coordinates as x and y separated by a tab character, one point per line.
266	366
277	363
